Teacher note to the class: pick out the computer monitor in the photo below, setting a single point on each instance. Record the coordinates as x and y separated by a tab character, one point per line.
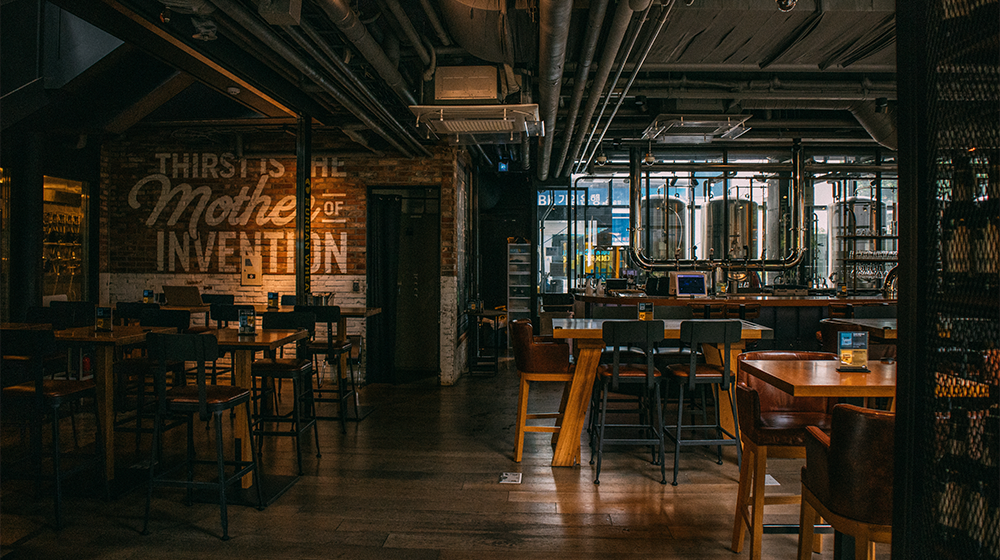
688	284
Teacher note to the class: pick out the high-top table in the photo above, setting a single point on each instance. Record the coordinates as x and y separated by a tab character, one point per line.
820	378
243	348
104	344
588	336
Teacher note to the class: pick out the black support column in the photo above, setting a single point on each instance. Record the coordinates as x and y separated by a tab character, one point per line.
303	206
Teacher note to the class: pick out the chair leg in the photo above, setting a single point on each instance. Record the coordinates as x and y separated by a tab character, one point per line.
152	470
807	520
56	466
759	469
311	401
736	424
864	549
677	440
742	502
522	419
342	397
220	460
255	466
190	458
297	421
655	395
600	430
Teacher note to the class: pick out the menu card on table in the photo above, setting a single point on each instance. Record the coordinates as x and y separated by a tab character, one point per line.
852	347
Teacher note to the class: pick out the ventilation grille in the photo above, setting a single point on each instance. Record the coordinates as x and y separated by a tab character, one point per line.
479	123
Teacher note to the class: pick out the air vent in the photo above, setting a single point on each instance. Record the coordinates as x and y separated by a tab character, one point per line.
483	124
695	128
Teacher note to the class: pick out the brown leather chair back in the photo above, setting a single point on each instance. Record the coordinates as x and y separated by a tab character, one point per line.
853	473
773	399
531	356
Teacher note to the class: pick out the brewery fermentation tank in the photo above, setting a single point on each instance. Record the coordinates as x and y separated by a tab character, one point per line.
667	220
740	242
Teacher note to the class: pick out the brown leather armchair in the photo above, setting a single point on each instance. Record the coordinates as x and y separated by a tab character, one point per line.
848	478
771	422
538	359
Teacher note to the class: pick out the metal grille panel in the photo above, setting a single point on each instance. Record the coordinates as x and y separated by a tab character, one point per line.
959	381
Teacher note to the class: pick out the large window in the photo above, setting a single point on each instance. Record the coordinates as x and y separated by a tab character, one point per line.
727	213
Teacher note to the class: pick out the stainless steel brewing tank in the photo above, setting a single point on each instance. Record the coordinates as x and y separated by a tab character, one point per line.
742	235
667	221
854	242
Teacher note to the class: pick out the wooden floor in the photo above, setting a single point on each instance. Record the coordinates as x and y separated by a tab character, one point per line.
419	478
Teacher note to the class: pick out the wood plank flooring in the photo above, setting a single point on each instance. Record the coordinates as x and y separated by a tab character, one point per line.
418	479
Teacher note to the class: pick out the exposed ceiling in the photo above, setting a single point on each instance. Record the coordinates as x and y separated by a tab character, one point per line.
823	71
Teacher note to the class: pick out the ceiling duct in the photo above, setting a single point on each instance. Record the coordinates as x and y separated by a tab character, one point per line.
695	129
488	31
881	125
481	124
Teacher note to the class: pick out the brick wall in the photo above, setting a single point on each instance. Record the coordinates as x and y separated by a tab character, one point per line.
181	212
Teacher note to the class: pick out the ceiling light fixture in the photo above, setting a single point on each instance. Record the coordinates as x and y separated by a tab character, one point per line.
786	5
601	158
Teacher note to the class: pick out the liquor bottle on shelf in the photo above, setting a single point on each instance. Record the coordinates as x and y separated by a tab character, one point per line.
957	246
986	239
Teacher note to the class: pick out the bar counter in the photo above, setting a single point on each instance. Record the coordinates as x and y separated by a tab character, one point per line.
794	318
765	300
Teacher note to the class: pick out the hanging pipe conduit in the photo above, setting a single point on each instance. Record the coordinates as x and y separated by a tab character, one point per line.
554	19
626	53
664	14
619	26
340	13
595	21
353	84
262	32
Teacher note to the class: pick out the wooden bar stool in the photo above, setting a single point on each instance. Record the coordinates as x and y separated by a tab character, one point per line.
537	360
772	423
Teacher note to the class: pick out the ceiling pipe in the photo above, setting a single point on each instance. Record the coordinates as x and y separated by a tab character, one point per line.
339	12
595	21
619	26
881	126
251	23
622	59
411	34
553	30
343	72
664	14
436	23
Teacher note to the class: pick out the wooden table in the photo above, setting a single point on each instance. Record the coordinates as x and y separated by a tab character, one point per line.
104	344
243	348
588	336
820	378
884	329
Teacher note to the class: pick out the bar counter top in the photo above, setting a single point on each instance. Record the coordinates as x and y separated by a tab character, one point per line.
768	300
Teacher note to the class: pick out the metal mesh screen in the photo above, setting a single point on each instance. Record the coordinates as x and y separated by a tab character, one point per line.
962	328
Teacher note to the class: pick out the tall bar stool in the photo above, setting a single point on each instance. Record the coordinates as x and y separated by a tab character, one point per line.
45	397
537	361
771	423
848	479
299	371
333	350
628	339
208	402
695	333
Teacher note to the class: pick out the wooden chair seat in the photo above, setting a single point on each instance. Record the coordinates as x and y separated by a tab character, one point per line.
281	367
627	370
52	389
703	372
217	397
